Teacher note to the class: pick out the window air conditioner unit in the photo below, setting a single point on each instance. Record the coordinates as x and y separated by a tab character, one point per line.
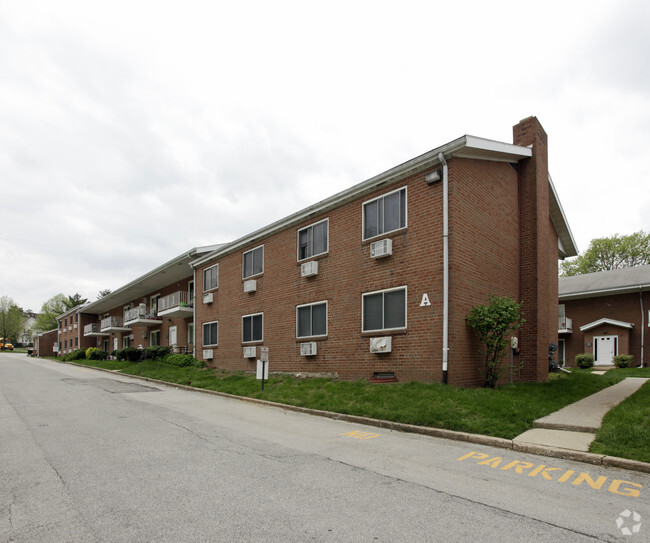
208	298
208	354
308	349
250	285
381	344
250	352
309	269
381	248
131	336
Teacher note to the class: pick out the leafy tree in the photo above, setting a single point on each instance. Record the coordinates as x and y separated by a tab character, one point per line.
74	301
610	254
50	310
11	319
103	293
494	324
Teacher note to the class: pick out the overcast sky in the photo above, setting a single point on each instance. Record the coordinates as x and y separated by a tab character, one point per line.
133	131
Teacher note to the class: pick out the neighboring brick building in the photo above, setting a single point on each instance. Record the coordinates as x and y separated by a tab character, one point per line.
70	329
154	309
605	314
377	280
46	343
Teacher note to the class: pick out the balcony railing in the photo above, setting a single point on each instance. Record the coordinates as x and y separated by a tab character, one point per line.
93	329
112	323
176	300
565	324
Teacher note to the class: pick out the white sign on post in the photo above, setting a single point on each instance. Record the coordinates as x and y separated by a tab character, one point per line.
264	354
262	369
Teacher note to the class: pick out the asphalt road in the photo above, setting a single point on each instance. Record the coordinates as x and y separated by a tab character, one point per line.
89	456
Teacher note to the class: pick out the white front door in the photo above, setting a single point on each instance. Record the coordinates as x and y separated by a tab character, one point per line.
605	348
173	336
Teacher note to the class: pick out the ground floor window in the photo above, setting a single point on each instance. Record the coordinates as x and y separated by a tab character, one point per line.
211	333
311	320
252	327
384	310
154	338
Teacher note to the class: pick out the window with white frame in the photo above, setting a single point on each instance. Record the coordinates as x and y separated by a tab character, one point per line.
154	338
311	320
384	310
253	262
211	278
154	305
384	214
210	333
126	341
252	328
313	240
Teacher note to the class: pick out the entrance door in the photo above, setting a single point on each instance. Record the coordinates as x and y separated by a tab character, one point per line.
605	348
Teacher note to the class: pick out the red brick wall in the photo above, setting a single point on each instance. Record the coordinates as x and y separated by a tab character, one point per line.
484	255
538	261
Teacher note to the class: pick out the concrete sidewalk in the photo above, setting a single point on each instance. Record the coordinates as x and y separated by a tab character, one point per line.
574	426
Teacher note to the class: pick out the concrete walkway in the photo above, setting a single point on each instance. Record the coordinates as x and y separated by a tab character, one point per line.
574	426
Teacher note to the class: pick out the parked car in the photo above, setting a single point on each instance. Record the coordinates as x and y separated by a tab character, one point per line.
5	345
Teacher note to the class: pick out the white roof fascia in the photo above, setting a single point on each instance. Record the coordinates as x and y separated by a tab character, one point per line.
465	146
131	291
72	310
567	244
603	292
612	322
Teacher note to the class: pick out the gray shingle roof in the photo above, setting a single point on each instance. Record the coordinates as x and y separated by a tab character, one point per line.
605	282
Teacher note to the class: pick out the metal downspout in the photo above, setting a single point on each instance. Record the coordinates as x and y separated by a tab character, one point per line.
642	323
445	273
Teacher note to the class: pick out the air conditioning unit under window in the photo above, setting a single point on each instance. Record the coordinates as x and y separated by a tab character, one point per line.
250	285
131	336
381	344
250	352
208	298
381	248
309	349
208	354
309	269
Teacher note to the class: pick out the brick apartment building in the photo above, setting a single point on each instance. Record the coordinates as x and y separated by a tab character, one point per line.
605	314
70	327
376	281
154	309
46	343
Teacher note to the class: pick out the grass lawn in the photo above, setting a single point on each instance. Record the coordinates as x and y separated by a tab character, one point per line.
626	428
505	412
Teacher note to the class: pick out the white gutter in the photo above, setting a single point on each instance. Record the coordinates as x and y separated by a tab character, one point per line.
445	272
642	324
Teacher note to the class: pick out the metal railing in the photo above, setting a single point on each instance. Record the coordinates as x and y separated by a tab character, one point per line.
92	328
111	322
177	299
565	324
140	312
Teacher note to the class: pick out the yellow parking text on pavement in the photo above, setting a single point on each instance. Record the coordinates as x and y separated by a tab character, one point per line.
560	475
360	435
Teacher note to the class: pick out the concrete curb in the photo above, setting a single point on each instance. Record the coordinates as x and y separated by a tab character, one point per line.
502	443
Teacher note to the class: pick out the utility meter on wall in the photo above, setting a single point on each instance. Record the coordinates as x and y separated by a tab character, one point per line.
514	342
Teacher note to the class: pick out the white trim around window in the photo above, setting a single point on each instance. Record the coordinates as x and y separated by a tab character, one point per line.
252	328
384	214
210	278
252	262
311	320
313	240
212	336
384	310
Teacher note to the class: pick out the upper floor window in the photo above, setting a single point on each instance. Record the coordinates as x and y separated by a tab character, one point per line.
211	277
312	240
384	310
384	214
211	333
253	262
311	320
252	327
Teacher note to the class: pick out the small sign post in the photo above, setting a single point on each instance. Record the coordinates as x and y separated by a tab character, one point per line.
262	365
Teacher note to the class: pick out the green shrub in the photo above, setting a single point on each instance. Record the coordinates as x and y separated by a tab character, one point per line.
129	353
78	354
155	352
183	360
623	360
93	353
585	360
